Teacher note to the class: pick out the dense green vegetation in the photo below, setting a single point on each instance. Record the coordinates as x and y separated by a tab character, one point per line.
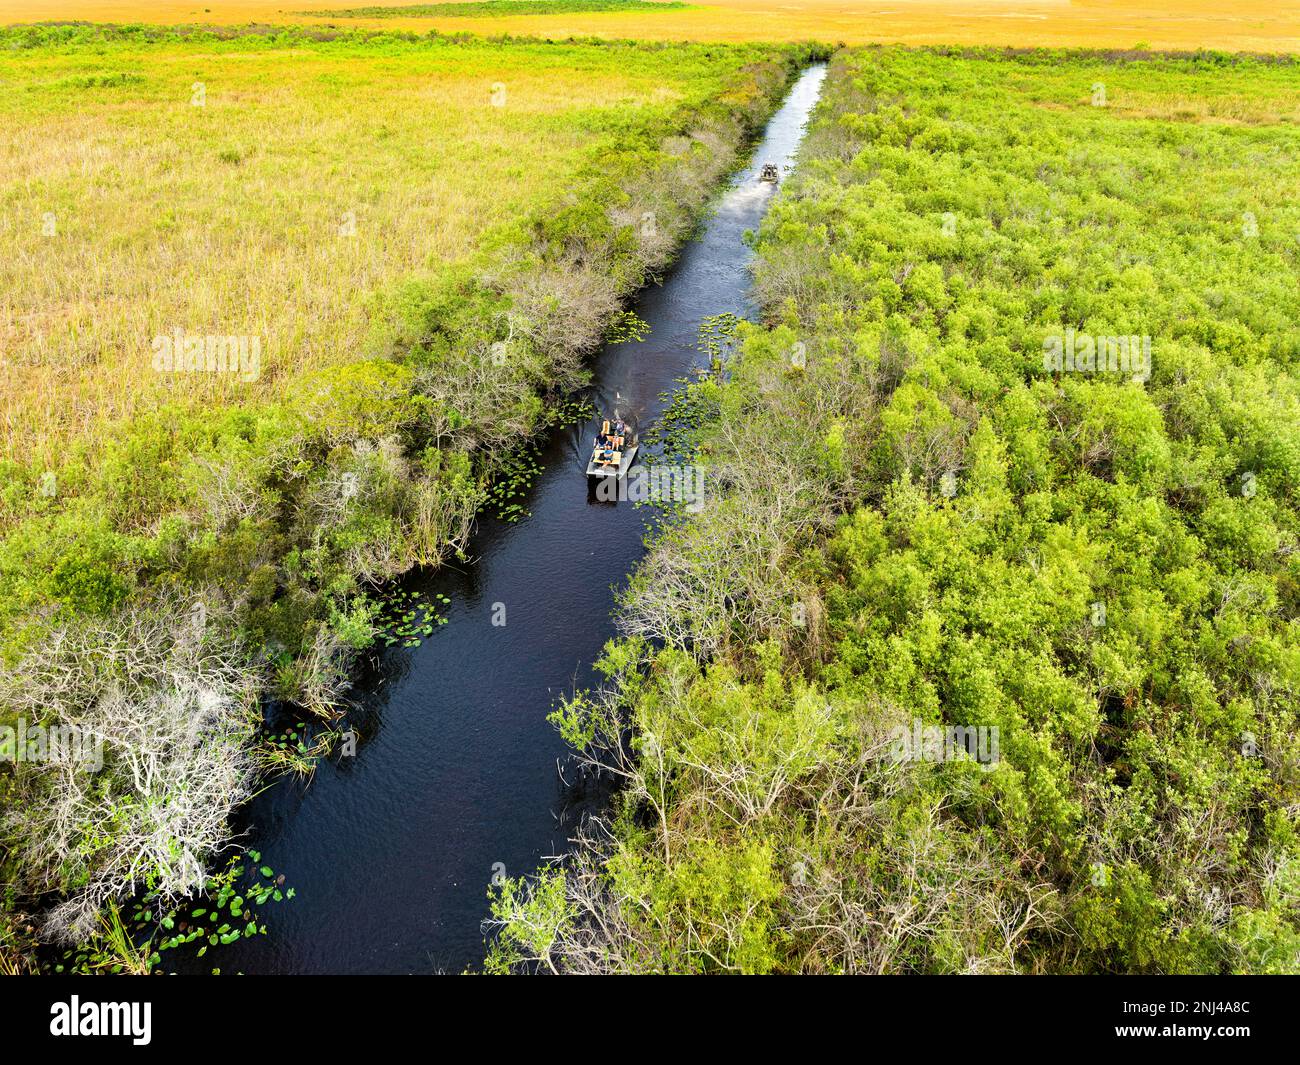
208	558
917	520
501	8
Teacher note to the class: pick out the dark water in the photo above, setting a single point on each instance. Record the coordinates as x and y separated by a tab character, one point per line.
457	773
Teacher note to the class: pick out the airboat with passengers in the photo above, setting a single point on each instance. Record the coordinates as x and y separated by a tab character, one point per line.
770	172
614	449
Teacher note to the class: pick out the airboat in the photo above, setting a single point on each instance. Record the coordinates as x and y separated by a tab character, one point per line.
770	172
613	451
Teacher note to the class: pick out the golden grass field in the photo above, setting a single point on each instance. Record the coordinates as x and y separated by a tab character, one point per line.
1247	25
233	218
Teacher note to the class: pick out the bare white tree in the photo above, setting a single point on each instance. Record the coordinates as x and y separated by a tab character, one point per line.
171	703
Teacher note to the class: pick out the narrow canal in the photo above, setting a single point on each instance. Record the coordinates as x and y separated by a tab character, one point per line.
457	773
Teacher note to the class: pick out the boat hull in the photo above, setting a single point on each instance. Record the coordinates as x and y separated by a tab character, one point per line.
619	471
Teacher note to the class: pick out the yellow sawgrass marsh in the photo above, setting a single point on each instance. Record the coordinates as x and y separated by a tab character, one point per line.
1250	25
263	193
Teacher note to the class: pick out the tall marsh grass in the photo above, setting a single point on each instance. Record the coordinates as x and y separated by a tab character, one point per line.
257	191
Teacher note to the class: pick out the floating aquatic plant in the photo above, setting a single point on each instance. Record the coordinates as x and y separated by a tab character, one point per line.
133	941
406	618
515	475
